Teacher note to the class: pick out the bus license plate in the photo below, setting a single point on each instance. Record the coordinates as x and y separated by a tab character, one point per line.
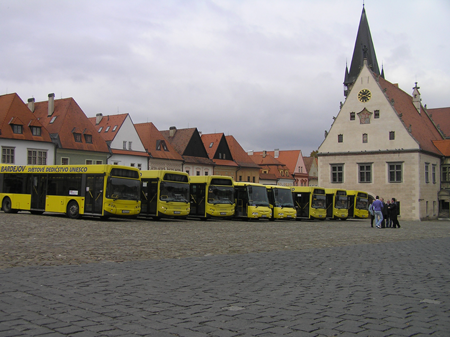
223	213
125	211
176	212
263	216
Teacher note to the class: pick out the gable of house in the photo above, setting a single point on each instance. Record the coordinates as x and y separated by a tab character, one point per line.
441	117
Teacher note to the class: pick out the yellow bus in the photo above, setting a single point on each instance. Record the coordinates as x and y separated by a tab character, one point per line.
164	193
337	203
76	190
310	202
358	204
211	196
281	202
251	201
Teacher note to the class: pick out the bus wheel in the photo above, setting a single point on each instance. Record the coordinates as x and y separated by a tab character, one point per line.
73	210
6	206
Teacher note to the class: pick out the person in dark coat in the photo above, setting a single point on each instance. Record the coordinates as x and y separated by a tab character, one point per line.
384	211
394	213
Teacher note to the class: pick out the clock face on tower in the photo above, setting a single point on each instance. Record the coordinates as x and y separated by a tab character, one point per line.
364	95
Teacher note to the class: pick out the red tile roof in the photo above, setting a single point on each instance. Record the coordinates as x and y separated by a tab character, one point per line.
443	146
422	127
109	125
14	111
150	136
441	117
181	138
211	142
239	155
66	119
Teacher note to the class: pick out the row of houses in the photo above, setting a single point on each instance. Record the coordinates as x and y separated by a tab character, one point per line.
57	131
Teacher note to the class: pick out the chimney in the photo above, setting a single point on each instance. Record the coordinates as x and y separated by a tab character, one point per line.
264	154
31	104
98	118
277	153
51	104
250	152
172	131
416	98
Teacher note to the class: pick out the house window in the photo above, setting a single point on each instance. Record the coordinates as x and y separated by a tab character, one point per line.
100	129
114	128
77	137
445	174
89	162
139	166
427	173
124	145
37	157
88	138
211	144
248	178
116	163
391	135
53	119
64	161
337	173
433	173
395	172
7	155
129	145
365	138
17	128
352	116
240	178
187	171
206	173
365	173
99	162
254	179
107	129
132	164
198	173
340	138
376	114
35	130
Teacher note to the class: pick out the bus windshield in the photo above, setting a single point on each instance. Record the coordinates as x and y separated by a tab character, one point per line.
283	198
362	203
221	194
257	196
318	201
341	202
174	192
124	189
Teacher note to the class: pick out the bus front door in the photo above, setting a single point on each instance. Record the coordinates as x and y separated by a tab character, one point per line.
330	205
94	194
198	199
38	191
152	195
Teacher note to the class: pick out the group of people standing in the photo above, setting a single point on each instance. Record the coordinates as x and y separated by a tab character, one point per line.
385	214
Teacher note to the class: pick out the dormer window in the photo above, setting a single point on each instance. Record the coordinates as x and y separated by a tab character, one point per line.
77	137
18	129
88	138
107	129
161	144
35	130
100	129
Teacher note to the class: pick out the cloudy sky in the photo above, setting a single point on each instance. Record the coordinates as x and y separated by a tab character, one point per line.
268	72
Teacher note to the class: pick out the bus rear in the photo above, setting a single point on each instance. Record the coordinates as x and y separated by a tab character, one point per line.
251	201
165	194
281	202
337	203
310	202
211	196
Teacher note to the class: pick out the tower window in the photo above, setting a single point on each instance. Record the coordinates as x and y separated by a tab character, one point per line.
340	138
391	135
352	116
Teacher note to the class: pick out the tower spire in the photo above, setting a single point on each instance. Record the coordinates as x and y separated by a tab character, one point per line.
364	49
